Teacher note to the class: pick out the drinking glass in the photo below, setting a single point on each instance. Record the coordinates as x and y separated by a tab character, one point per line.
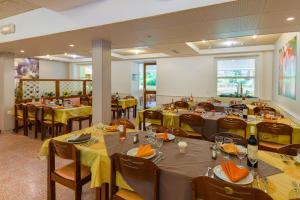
219	142
252	161
298	152
241	154
227	140
159	143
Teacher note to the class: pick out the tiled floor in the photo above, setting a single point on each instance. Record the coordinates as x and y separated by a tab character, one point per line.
23	176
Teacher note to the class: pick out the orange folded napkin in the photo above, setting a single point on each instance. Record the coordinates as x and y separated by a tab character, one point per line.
230	148
233	116
163	136
233	172
58	107
144	150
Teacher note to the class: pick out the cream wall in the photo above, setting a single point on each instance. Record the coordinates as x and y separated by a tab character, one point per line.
289	105
54	70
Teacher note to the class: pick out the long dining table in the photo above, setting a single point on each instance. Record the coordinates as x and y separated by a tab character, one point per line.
177	170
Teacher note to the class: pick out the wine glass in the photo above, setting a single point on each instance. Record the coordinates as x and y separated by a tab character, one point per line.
252	161
227	140
219	142
159	143
241	154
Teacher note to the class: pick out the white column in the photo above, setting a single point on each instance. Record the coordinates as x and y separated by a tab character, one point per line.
7	91
101	56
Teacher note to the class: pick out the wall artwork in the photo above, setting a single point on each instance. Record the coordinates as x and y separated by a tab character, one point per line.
288	69
27	68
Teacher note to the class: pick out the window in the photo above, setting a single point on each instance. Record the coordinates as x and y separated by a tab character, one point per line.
232	74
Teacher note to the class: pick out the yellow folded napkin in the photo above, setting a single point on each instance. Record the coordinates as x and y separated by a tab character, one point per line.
144	150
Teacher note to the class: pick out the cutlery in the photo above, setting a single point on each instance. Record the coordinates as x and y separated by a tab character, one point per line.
207	172
258	181
156	158
161	158
266	184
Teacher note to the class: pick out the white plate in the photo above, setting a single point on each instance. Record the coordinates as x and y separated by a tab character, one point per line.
297	159
239	147
170	136
133	151
74	137
218	171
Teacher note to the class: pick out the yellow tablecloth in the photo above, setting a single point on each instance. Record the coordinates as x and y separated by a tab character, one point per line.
126	103
63	115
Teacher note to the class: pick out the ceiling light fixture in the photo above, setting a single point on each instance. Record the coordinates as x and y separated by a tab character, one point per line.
22	51
204	41
136	51
290	19
254	36
71	45
229	43
65	54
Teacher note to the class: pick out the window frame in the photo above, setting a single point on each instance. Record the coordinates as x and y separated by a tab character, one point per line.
239	77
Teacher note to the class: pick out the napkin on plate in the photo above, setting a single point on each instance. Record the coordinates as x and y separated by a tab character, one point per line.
230	148
233	172
144	150
163	136
82	137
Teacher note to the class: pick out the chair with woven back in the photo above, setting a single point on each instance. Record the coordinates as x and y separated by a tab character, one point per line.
73	175
19	117
237	139
207	188
152	115
31	119
48	122
116	108
275	129
181	104
123	121
291	149
227	123
206	106
195	122
259	110
137	169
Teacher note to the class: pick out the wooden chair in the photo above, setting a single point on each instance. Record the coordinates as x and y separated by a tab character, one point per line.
19	117
206	106
153	115
237	139
177	131
207	188
48	122
290	149
73	175
85	100
193	121
123	121
135	168
273	129
239	106
260	110
80	120
181	104
116	108
31	119
232	124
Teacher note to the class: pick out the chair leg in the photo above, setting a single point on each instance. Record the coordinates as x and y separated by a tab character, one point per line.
42	132
114	115
35	130
78	192
51	190
51	130
17	126
80	124
128	111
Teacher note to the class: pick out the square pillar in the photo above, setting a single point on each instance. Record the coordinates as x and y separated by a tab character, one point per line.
101	56
7	91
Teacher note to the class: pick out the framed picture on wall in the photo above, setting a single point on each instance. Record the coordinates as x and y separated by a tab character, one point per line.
288	69
27	68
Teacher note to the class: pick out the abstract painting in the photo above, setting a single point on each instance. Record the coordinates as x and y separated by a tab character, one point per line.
288	69
27	68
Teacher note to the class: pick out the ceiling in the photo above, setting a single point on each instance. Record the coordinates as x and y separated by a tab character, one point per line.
60	5
168	33
10	8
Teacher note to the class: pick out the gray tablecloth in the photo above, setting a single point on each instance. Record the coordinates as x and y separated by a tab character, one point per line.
177	170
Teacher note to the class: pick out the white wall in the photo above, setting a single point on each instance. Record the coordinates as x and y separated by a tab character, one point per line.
121	77
54	70
289	105
177	77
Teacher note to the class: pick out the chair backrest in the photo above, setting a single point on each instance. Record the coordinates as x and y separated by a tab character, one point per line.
207	188
206	106
85	100
135	168
123	121
66	151
31	110
232	123
19	110
181	104
48	112
115	103
177	131
191	119
274	129
291	149
258	110
237	139
239	106
152	114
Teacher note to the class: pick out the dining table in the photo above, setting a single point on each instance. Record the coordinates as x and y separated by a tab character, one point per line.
210	127
177	169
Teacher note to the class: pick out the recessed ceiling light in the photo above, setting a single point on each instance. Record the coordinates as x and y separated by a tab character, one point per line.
65	54
204	41
22	51
48	55
229	43
290	19
254	36
71	45
136	51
